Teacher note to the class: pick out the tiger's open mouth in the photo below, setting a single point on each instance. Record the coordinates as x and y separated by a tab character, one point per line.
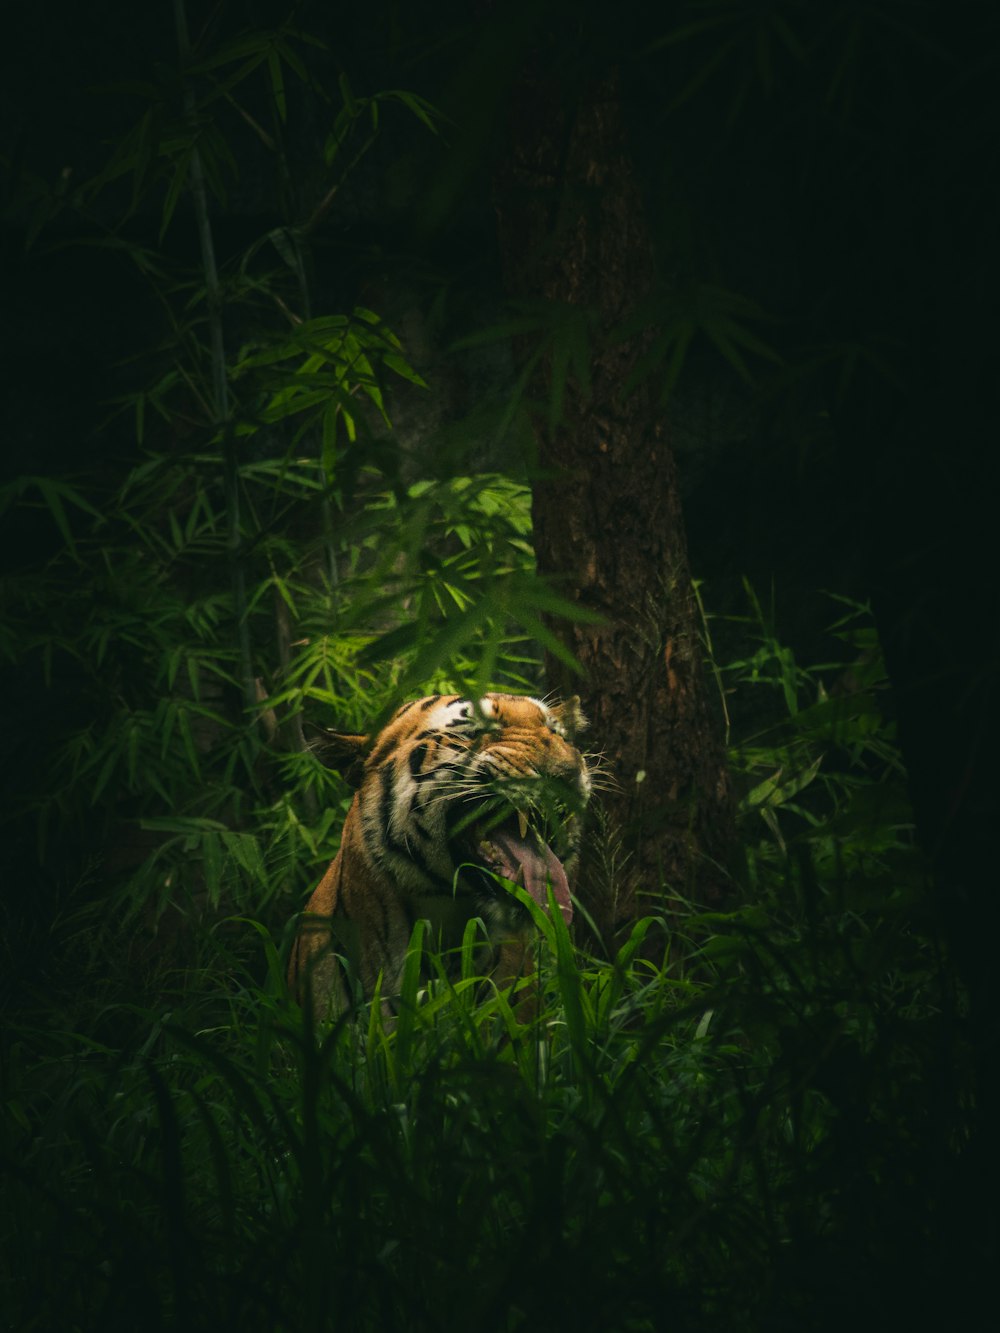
507	841
516	851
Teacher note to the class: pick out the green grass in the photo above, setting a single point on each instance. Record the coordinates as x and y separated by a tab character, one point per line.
645	1145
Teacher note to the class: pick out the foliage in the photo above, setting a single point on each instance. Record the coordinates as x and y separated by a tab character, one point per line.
267	553
826	775
742	1145
649	1142
138	615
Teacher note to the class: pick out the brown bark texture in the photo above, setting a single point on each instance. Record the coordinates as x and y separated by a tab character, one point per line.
607	518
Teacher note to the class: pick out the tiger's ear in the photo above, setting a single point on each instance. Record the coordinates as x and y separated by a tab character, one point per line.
570	717
343	751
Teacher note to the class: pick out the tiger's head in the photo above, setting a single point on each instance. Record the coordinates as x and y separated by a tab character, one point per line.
455	792
457	800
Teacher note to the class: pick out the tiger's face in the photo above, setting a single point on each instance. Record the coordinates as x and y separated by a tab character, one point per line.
458	799
457	791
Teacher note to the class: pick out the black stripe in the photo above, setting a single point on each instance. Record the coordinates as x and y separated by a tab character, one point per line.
416	763
387	780
381	751
387	777
416	759
435	734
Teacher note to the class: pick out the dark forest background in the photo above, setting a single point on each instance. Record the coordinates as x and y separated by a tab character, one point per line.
728	270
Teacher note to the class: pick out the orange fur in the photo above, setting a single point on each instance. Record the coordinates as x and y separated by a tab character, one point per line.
404	852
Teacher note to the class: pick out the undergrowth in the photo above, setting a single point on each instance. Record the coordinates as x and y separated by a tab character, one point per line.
744	1143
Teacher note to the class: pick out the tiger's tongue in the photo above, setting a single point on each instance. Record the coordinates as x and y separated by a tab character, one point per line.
533	863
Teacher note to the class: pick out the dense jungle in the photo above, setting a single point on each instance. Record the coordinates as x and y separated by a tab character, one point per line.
640	353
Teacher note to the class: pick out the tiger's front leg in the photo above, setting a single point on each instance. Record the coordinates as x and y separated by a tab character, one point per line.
383	949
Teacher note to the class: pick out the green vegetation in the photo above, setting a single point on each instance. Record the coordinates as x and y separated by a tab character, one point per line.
732	1129
179	1141
267	540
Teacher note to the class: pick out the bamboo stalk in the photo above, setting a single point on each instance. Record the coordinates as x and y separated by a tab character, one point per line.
220	387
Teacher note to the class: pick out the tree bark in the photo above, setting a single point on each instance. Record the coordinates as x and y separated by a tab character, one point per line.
607	515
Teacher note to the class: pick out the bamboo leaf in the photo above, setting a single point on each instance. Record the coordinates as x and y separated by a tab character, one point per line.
182	167
52	498
187	737
290	56
424	111
277	80
347	96
394	643
403	369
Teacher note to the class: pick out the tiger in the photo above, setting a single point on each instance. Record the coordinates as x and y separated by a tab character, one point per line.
457	799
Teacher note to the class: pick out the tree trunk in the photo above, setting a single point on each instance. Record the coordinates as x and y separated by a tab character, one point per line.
607	516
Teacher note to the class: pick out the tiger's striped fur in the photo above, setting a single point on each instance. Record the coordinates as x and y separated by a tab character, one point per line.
454	792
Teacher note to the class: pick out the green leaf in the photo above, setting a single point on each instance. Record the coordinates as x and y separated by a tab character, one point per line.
277	81
347	96
394	643
283	240
409	987
182	166
290	56
404	369
425	111
329	441
53	493
445	645
548	640
570	984
187	737
251	44
761	793
181	824
773	792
